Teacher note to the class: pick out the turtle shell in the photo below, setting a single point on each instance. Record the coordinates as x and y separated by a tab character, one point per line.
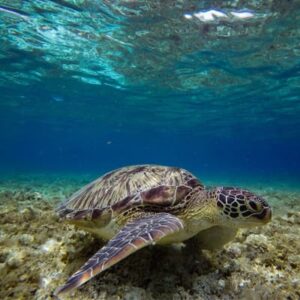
118	189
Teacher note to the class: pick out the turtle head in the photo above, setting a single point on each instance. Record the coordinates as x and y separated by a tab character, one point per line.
242	208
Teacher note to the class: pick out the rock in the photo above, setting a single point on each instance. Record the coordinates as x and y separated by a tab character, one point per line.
50	246
135	293
26	239
16	258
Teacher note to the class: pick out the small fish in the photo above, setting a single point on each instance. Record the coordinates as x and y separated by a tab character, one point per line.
58	98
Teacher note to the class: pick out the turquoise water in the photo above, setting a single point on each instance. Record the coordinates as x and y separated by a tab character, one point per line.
211	86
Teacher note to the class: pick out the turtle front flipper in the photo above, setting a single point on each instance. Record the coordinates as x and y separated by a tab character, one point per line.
135	235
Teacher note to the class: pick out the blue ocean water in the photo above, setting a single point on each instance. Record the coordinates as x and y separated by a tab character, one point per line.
210	86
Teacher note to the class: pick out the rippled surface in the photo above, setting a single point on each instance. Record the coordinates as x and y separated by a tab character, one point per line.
188	44
202	68
215	51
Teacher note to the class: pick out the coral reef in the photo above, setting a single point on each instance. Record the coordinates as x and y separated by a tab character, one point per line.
38	253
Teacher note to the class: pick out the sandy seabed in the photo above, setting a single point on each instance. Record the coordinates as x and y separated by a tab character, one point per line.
38	253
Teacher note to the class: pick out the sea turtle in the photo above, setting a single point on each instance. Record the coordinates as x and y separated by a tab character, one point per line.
142	205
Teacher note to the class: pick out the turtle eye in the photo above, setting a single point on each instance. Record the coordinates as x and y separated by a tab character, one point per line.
256	206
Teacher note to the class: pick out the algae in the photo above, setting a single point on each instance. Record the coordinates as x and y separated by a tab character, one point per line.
38	253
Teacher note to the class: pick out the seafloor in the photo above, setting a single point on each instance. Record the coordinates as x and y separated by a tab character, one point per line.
38	253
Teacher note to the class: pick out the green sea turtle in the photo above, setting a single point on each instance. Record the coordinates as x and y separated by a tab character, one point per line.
137	206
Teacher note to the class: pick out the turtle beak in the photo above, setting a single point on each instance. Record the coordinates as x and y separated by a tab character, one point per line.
265	216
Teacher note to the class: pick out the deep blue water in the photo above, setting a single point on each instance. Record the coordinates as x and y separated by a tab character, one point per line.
88	87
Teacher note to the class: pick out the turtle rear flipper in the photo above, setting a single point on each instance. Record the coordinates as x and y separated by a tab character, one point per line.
133	236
